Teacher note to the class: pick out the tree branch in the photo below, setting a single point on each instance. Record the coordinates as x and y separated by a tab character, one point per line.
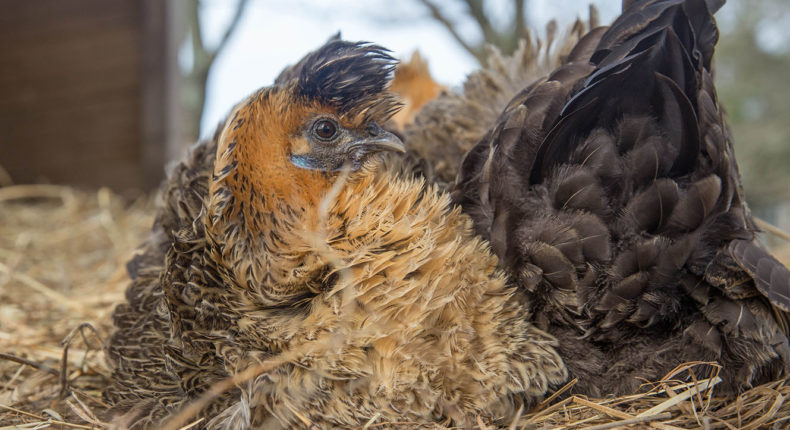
232	25
193	26
476	10
439	16
193	92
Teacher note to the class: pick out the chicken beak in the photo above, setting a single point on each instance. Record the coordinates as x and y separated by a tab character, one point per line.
384	143
378	140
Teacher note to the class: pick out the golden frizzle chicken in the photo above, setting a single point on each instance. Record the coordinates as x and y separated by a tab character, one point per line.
285	236
449	126
415	86
610	192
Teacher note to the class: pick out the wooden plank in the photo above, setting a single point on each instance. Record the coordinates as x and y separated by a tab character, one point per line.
52	18
88	153
83	134
61	90
69	44
70	102
69	56
24	103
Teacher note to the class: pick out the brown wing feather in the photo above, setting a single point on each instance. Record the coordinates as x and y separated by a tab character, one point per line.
770	276
635	173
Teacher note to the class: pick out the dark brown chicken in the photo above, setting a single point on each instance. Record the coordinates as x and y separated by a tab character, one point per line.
610	192
286	236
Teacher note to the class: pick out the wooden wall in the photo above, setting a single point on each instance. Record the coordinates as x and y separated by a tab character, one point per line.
83	91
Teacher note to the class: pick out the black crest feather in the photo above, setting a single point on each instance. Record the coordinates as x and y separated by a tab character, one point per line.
350	76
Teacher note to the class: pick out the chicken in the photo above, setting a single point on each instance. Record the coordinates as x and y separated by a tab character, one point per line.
415	86
451	124
286	236
610	192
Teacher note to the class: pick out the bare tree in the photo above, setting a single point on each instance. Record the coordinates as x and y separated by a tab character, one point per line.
505	38
193	81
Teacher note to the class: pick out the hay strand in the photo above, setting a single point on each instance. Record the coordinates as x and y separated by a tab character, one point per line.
770	228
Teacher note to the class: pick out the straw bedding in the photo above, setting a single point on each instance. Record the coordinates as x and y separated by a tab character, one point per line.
62	256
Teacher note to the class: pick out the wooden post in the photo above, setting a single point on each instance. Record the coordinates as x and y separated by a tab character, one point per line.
159	92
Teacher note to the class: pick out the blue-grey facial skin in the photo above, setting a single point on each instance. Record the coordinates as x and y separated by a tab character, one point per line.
346	148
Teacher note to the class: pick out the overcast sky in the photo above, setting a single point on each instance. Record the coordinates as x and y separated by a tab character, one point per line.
274	34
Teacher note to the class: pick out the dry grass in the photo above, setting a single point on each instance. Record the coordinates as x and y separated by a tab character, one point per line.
62	256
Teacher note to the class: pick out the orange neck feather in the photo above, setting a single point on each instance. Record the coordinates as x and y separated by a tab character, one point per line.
254	177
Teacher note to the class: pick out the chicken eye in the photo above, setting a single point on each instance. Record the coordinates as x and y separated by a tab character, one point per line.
325	129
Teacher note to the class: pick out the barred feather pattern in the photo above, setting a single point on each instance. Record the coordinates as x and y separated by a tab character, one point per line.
610	192
146	387
410	318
